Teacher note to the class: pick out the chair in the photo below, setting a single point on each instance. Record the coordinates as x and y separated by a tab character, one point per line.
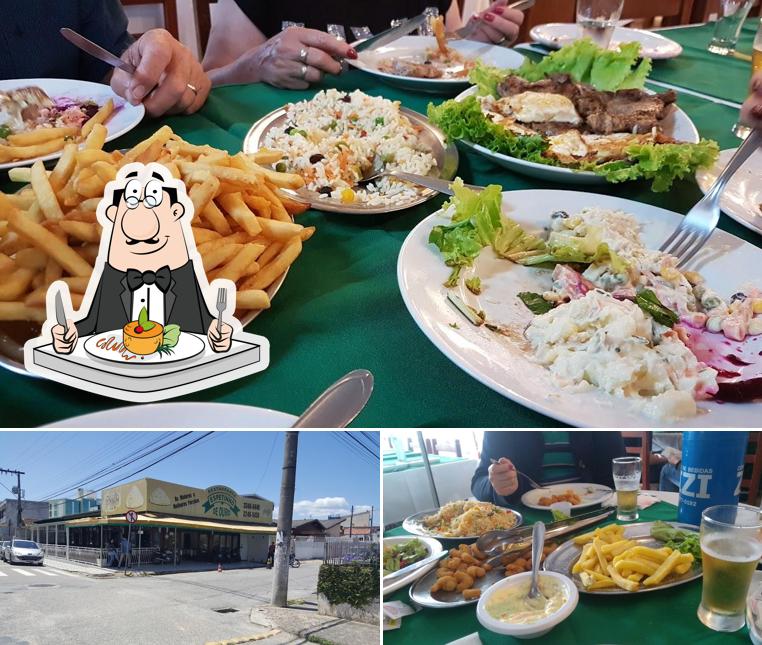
203	23
451	446
752	472
671	12
638	443
169	8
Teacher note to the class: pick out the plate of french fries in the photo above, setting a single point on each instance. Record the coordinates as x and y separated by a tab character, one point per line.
27	134
623	559
243	226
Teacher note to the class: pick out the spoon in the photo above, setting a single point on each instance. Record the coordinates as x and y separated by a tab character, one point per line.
338	406
377	171
535	596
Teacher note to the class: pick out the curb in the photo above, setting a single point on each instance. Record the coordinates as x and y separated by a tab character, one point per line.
245	639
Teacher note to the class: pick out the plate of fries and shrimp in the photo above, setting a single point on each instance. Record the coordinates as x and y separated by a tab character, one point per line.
40	116
243	225
622	559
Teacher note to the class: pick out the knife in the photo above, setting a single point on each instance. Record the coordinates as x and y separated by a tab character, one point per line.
60	312
88	46
390	35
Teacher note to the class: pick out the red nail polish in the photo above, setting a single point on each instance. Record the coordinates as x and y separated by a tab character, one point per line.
352	53
489	17
498	10
756	111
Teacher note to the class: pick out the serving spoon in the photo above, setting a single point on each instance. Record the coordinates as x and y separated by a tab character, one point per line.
535	596
377	171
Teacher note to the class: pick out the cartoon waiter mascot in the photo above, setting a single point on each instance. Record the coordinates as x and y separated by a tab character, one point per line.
145	263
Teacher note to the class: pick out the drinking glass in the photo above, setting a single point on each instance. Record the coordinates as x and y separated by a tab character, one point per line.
626	471
742	131
727	29
598	18
731	546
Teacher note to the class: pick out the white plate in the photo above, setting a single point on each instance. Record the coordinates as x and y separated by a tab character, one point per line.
498	361
591	494
124	118
414	47
181	415
188	346
652	45
432	547
741	199
677	125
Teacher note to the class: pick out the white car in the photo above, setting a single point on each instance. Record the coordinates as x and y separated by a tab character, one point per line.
25	552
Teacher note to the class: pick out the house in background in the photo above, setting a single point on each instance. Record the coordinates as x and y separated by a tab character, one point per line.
85	502
30	512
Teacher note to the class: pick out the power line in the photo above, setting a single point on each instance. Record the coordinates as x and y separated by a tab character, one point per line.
352	436
352	447
267	466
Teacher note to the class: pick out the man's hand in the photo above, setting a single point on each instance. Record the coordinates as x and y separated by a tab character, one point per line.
497	24
220	341
164	70
280	61
751	111
503	477
64	340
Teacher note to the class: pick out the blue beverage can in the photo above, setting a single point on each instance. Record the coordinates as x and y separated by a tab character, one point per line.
711	471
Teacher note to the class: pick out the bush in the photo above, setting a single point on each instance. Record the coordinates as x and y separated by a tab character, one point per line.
354	584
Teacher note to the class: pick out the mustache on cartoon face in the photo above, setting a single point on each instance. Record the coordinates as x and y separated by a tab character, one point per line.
131	242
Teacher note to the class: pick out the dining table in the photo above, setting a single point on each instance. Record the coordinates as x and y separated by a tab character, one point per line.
659	617
340	308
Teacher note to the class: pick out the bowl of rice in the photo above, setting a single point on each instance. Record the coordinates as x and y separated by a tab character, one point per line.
336	138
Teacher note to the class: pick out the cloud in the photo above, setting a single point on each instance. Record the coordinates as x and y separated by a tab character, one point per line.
322	507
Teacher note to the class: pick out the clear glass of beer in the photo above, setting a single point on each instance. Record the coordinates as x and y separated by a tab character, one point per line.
627	472
731	546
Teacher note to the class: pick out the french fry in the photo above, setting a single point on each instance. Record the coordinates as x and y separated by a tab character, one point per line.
230	175
88	156
240	237
216	219
665	568
14	153
270	252
252	299
21	175
31	258
84	231
162	134
234	205
89	184
40	135
19	311
15	284
97	137
240	264
267	156
46	197
279	231
64	167
270	272
43	239
99	118
219	256
620	581
201	194
201	235
6	264
306	233
151	153
22	200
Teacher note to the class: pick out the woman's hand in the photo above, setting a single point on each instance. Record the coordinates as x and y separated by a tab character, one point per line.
751	111
296	57
498	24
503	477
167	80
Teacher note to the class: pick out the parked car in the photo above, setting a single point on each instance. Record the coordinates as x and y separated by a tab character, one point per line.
25	552
3	548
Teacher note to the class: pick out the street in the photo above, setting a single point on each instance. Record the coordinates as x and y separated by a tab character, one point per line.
46	606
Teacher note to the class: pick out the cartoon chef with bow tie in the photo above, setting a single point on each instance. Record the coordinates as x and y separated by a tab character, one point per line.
144	262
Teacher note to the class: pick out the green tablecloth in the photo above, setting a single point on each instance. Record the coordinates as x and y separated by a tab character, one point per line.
340	307
697	69
662	617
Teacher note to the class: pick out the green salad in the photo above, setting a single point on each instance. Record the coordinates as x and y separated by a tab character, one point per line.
399	556
683	541
604	70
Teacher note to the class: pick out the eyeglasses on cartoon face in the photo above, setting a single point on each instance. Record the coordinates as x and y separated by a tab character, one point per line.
153	194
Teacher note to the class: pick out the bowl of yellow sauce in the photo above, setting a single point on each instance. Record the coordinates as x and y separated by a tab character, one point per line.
505	607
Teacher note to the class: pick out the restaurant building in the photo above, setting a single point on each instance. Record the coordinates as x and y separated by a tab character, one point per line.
174	523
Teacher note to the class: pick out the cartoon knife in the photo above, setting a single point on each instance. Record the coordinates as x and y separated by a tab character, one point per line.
60	313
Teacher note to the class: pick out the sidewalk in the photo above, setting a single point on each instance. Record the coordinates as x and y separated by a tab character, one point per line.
303	622
143	569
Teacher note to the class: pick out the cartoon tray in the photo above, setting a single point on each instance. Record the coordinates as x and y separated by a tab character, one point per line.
154	380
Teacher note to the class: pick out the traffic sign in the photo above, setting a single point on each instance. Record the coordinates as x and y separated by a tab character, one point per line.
131	516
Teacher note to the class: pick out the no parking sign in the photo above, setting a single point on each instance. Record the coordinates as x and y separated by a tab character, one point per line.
131	517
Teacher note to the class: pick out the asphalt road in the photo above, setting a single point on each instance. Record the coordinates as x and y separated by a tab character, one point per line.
47	606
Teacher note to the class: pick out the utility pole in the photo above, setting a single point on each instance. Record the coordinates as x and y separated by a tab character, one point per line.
370	525
18	473
351	520
285	513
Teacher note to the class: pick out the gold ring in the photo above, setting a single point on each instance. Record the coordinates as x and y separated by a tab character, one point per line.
192	88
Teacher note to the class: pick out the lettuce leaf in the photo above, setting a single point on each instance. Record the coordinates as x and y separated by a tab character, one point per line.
486	78
465	120
661	163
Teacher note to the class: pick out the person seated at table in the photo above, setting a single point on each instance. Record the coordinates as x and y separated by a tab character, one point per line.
168	77
248	42
751	111
550	457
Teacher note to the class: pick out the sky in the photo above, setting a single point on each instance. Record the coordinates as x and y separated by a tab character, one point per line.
333	472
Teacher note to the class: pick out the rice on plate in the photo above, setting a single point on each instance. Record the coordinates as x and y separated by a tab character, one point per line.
333	139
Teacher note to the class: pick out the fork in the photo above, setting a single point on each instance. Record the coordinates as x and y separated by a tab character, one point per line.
699	224
531	481
464	33
222	303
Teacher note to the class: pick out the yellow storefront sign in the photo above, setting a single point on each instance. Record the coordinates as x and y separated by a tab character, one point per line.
153	495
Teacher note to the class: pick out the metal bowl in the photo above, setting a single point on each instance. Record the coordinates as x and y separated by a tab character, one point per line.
414	525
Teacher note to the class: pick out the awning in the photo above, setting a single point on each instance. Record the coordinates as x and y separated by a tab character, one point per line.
147	519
